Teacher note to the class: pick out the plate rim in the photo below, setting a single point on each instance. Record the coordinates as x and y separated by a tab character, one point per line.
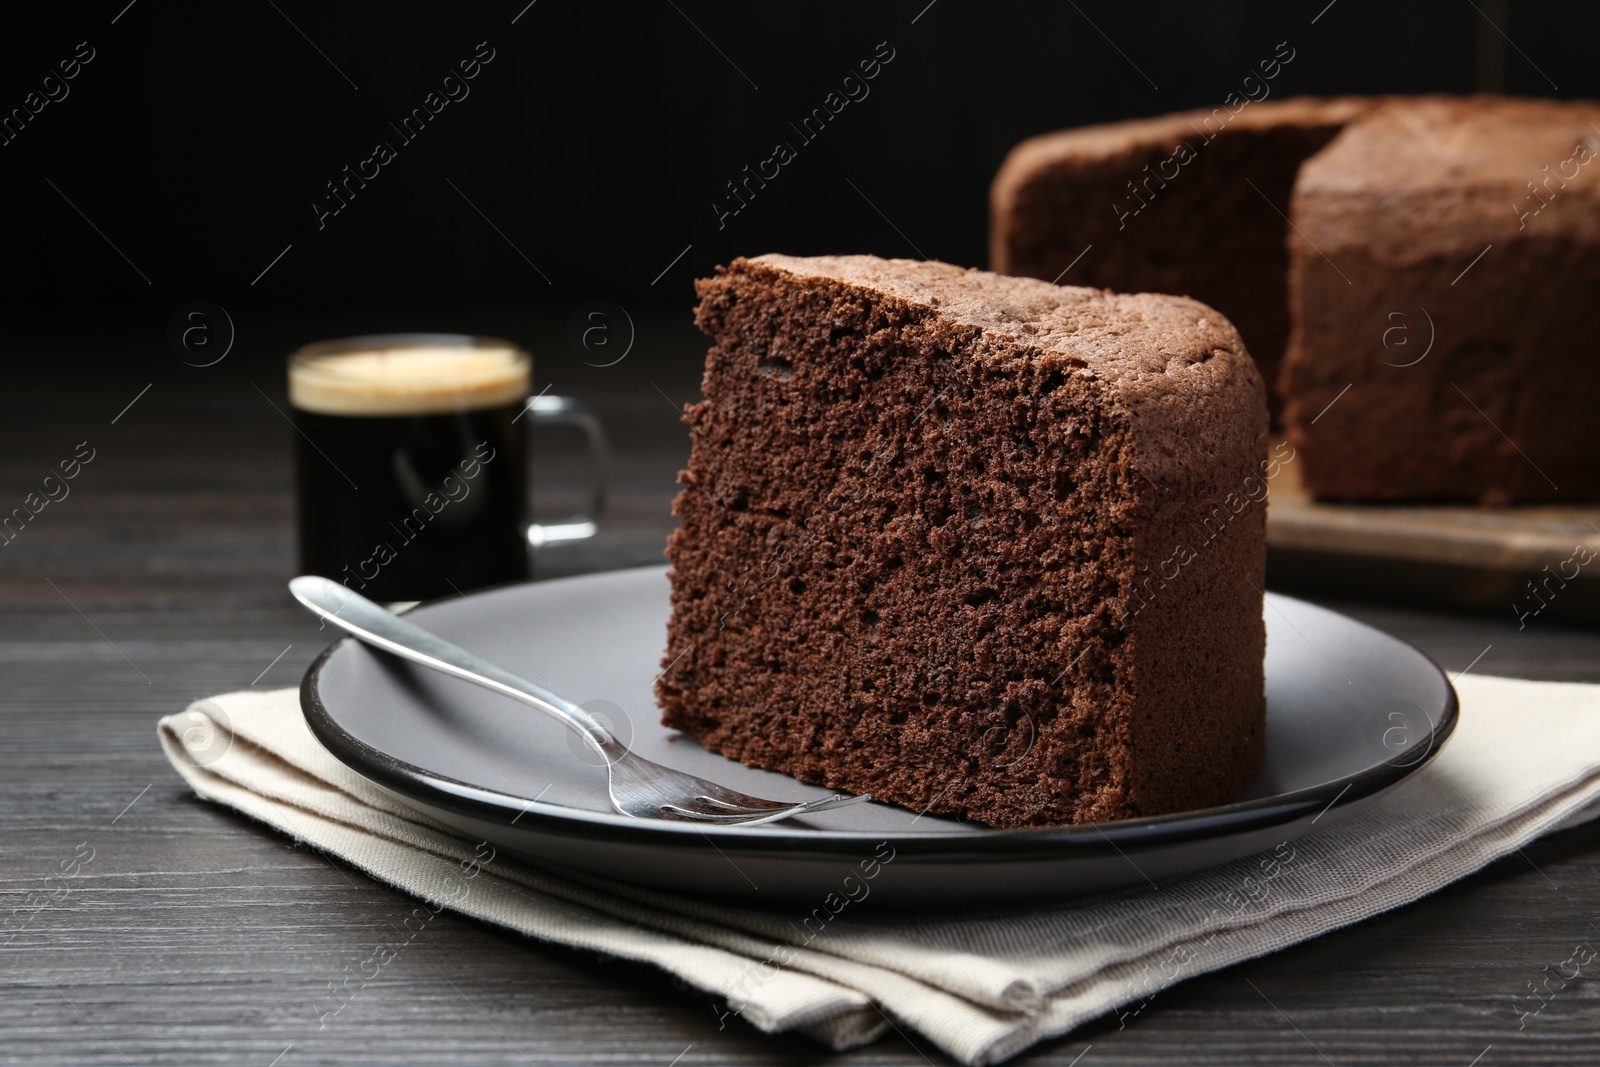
1021	843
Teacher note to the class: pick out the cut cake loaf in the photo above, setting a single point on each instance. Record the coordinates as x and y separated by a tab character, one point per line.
1443	274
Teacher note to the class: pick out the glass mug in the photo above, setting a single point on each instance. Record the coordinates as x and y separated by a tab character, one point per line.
411	468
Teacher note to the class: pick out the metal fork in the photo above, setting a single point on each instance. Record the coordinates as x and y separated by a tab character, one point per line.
638	787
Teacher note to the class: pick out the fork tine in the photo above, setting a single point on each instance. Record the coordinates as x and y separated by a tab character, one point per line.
825	804
756	805
751	805
763	807
731	818
751	817
838	800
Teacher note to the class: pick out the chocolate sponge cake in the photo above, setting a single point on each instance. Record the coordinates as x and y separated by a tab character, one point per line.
973	544
1443	272
1189	203
1344	234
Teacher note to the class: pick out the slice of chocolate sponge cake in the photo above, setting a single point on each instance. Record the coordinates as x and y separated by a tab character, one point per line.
973	544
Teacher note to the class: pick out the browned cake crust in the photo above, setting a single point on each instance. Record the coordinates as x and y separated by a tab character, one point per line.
974	544
1191	203
1391	218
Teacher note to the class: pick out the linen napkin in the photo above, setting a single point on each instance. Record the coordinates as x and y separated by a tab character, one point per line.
984	984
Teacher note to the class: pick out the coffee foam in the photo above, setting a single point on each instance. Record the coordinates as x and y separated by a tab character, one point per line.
408	380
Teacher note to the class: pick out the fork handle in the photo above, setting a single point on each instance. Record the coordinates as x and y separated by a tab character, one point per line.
382	628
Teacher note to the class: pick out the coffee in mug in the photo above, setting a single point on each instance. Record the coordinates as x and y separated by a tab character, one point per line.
411	463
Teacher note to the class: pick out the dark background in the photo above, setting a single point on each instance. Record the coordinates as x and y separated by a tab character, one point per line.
594	144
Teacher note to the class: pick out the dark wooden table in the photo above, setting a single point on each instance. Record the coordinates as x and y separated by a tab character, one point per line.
196	936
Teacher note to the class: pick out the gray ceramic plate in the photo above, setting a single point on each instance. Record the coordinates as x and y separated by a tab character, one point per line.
1350	712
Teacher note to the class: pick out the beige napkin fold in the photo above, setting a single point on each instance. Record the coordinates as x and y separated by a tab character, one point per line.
982	985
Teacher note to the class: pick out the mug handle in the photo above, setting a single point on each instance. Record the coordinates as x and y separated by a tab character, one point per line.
565	411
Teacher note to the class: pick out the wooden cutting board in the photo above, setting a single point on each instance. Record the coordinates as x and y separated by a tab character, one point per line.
1531	563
